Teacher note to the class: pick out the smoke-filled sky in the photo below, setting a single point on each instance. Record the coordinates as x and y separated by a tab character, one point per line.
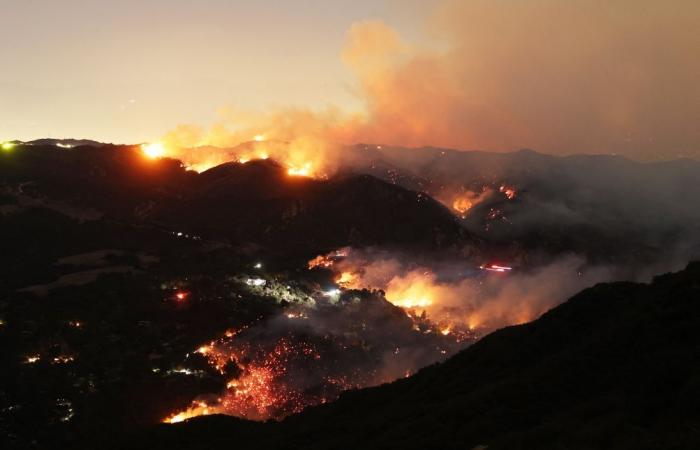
581	76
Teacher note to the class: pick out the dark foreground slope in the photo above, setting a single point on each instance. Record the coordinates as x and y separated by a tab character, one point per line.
617	366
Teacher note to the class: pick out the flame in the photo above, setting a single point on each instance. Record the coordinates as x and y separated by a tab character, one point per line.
416	290
329	260
153	150
346	279
302	171
508	191
197	409
462	205
463	201
461	306
302	156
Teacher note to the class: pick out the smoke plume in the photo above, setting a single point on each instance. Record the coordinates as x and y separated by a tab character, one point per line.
559	77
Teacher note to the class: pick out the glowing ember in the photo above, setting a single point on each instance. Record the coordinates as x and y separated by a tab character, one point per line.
181	295
153	151
32	359
63	359
264	388
508	191
496	268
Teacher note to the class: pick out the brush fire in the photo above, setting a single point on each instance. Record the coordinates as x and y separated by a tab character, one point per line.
337	339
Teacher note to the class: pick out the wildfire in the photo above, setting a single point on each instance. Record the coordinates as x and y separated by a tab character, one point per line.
346	279
496	268
32	359
508	191
456	305
154	150
197	409
462	205
464	201
256	156
328	260
63	359
301	171
270	376
264	388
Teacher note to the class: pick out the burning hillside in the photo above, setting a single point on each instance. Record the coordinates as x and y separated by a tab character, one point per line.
314	350
460	295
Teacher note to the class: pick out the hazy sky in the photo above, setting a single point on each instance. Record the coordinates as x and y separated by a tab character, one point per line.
129	70
574	76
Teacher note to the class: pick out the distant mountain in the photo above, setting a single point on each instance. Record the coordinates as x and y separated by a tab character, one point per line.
615	367
606	207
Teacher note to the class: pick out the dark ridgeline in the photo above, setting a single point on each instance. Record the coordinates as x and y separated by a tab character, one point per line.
615	367
248	203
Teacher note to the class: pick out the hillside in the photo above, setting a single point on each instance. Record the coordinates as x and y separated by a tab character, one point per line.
256	203
606	207
614	367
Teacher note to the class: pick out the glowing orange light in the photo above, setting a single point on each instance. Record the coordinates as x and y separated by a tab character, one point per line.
462	205
345	278
303	171
154	150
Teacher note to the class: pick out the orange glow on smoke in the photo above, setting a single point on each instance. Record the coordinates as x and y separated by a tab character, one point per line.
415	290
